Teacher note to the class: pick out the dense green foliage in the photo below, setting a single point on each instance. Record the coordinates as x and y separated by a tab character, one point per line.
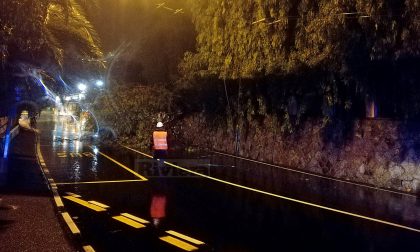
131	111
285	59
282	58
337	35
74	37
308	58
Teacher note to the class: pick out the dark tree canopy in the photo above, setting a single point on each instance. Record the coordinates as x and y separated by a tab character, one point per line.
244	39
48	36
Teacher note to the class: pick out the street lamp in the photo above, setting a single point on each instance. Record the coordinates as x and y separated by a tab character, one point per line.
99	83
82	87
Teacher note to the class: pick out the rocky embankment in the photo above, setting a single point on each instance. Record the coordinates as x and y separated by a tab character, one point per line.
382	153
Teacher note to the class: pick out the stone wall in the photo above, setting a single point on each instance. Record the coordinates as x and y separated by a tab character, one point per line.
382	153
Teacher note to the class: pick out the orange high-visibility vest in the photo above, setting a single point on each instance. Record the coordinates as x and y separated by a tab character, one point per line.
159	140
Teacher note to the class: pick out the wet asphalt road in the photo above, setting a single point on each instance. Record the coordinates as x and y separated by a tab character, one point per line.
28	220
235	205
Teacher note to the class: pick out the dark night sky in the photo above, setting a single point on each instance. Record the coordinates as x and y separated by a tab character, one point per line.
154	39
119	21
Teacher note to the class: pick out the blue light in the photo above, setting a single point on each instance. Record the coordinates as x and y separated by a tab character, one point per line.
6	146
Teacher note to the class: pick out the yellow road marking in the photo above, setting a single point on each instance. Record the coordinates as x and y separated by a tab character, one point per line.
58	201
88	154
144	154
185	237
75	155
85	203
135	218
288	198
99	204
53	186
69	221
178	243
128	221
315	175
88	248
100	182
123	166
73	194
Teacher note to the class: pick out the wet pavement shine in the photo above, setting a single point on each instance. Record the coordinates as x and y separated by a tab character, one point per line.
28	219
122	200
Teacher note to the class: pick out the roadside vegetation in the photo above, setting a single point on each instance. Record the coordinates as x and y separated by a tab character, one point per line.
280	81
233	63
287	60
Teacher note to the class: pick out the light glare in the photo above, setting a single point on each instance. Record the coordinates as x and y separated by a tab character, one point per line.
99	83
82	87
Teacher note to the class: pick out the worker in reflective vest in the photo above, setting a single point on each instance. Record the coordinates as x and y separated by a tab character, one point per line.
160	141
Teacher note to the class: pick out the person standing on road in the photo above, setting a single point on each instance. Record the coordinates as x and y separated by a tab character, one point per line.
160	142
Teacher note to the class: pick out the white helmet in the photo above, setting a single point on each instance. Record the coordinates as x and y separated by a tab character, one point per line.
159	125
